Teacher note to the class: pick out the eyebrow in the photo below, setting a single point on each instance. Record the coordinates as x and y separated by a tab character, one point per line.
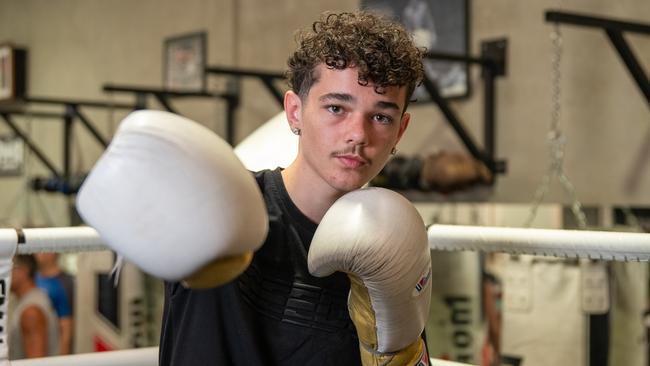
336	96
388	105
343	97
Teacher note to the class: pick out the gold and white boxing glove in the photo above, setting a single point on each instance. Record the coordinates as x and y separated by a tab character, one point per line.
378	238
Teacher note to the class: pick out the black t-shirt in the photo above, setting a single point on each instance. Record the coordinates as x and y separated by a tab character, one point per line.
275	313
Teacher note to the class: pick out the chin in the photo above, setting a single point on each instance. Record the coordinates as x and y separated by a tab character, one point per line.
349	184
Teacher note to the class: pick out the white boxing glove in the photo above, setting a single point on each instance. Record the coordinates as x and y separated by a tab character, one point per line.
378	238
171	196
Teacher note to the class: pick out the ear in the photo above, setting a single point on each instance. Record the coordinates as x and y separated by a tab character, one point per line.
293	108
406	118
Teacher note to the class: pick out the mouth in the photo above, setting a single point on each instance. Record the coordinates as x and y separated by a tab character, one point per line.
351	160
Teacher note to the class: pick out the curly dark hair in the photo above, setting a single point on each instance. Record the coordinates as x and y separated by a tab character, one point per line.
381	49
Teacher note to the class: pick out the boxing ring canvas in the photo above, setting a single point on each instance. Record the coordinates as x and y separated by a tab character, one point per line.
439	26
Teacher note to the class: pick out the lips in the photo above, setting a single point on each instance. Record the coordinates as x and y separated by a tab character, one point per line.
351	161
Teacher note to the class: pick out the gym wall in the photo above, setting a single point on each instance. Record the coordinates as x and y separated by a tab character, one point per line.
77	46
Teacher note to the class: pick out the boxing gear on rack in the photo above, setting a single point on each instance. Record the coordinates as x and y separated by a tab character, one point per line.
67	186
444	172
171	197
451	171
378	238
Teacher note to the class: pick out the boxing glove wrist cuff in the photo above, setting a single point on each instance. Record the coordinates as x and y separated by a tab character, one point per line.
413	355
364	320
219	272
361	313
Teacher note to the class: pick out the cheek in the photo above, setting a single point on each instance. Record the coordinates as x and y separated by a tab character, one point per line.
385	140
314	149
320	140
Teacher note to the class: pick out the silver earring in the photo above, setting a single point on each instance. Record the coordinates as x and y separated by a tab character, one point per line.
393	151
295	130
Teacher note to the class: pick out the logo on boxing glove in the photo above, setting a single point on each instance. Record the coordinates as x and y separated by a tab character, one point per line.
424	358
422	283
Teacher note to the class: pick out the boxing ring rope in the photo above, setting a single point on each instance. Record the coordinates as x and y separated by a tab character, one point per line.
605	245
59	239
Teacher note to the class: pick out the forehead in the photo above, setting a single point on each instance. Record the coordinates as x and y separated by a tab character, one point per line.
346	81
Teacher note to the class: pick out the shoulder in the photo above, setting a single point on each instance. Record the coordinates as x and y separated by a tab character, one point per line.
32	316
267	180
53	286
261	176
59	299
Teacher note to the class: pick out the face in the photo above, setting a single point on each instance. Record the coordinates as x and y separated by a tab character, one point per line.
347	129
45	258
19	273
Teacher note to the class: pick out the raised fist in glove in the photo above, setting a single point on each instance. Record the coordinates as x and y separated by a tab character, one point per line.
378	238
171	197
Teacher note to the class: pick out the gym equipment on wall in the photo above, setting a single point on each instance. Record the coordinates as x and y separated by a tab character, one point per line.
163	97
614	30
71	114
493	64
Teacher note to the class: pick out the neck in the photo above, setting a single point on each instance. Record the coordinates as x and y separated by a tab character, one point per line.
49	269
24	288
313	197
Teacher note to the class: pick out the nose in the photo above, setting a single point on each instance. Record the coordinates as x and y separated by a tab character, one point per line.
356	132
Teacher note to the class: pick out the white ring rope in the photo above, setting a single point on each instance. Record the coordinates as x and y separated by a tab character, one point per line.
606	245
59	239
131	357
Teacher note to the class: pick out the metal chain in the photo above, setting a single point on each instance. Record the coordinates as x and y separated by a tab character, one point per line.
556	142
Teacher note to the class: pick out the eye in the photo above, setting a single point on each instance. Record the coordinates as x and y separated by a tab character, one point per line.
334	109
382	118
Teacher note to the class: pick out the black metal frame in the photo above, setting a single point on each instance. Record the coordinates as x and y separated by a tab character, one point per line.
493	64
267	78
163	97
71	114
614	30
7	117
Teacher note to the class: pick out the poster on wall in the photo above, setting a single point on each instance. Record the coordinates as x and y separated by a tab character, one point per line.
439	26
184	62
12	155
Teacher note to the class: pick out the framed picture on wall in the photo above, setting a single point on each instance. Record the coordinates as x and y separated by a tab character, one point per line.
439	26
184	59
12	72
